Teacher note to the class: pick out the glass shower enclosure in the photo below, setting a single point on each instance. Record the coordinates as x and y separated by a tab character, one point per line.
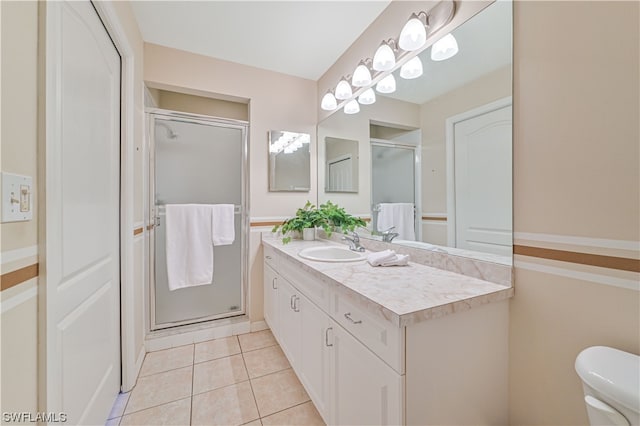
197	160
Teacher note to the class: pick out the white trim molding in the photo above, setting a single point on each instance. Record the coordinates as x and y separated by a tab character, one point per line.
578	241
18	299
18	254
579	275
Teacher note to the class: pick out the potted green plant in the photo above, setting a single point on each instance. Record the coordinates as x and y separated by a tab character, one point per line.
304	222
338	219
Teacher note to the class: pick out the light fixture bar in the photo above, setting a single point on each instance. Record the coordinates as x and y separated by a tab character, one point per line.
437	17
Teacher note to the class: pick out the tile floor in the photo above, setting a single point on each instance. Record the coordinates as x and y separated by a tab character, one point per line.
236	380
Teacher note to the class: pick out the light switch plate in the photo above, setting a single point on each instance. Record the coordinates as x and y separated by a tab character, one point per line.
17	197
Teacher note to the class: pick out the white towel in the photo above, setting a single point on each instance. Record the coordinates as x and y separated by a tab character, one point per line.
400	260
378	258
189	245
400	215
222	225
388	258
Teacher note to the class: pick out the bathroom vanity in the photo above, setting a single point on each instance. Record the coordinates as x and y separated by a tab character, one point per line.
394	345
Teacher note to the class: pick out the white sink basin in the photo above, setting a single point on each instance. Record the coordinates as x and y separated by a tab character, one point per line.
331	254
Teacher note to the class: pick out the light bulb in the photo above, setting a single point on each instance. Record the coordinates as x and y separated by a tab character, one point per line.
367	97
361	76
387	84
412	69
352	107
384	59
329	102
413	34
343	90
444	48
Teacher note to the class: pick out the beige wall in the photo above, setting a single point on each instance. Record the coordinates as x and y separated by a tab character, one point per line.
19	331
276	102
576	154
200	105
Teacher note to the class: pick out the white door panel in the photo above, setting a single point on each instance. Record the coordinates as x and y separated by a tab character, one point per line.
483	182
82	273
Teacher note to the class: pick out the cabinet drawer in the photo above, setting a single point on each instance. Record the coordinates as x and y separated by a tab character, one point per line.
314	288
380	336
270	257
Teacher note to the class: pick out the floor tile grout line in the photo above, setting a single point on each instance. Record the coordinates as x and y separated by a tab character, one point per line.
255	401
221	387
262	347
155	406
289	408
165	371
193	378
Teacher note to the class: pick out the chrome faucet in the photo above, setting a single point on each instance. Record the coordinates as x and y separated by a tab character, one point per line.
388	236
354	241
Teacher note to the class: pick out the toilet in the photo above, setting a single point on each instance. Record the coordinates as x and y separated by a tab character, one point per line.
611	385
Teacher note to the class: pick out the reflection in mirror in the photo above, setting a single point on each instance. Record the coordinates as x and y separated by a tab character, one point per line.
341	165
460	112
289	161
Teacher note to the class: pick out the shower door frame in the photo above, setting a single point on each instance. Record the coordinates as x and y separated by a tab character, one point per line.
243	126
417	181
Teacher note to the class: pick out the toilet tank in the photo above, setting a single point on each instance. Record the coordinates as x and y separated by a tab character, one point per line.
611	384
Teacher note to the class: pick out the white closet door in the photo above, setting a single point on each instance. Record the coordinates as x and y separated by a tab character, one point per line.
81	273
483	182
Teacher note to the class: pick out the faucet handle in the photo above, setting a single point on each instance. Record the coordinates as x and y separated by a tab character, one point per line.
388	231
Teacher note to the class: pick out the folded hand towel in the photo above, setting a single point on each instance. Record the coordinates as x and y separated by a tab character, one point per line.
378	258
400	260
222	225
388	258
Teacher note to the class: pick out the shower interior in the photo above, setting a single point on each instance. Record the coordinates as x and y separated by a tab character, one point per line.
196	159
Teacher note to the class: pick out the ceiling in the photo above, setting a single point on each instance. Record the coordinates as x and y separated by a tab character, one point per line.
300	38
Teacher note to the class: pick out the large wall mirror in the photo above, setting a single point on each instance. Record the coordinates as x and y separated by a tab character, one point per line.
435	156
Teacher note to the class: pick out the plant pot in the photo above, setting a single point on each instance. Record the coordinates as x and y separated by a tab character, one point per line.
309	234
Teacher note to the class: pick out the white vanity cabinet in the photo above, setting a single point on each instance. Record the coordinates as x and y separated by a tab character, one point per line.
365	390
348	383
445	362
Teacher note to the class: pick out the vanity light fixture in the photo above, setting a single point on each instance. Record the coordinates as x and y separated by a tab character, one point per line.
414	33
444	48
386	85
384	58
343	90
361	76
412	69
329	102
367	97
391	54
352	107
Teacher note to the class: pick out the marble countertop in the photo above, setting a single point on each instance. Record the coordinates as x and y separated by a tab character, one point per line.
402	295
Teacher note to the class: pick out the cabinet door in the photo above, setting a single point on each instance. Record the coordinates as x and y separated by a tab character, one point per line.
271	299
315	354
289	324
365	389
